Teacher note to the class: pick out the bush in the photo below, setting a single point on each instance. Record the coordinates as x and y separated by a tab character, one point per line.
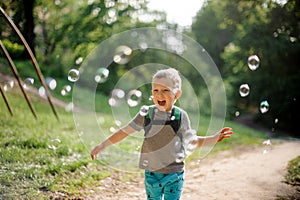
15	50
293	176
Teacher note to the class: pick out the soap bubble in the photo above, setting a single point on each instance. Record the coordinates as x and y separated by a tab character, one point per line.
267	146
42	91
190	141
101	75
145	163
69	107
134	98
139	77
150	98
180	157
253	62
65	90
116	96
53	144
73	75
144	110
112	129
264	106
122	55
118	123
8	85
143	46
78	61
51	83
244	90
28	82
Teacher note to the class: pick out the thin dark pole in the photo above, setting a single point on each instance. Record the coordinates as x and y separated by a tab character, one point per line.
34	62
15	72
6	102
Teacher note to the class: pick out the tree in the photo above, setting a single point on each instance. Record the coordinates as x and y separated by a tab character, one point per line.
68	30
270	31
213	29
22	14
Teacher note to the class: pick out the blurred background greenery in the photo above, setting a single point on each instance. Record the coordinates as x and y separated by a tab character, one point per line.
62	32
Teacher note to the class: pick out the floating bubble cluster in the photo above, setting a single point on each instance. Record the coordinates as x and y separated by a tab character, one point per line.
134	98
126	95
65	90
8	85
116	96
244	90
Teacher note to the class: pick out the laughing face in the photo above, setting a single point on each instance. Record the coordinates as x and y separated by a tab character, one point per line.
164	94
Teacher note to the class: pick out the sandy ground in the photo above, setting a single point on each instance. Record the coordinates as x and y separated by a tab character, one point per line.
243	173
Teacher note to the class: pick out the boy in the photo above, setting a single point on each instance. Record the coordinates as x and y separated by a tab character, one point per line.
167	136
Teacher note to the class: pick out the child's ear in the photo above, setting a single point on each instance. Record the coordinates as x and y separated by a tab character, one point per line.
178	94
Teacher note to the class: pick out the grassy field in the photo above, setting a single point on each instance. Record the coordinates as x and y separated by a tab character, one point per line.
46	158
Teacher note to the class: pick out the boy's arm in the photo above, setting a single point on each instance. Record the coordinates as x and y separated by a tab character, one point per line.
218	137
113	139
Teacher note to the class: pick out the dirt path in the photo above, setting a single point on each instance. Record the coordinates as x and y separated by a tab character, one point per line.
246	174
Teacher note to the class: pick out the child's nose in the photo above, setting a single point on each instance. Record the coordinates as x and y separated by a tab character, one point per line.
160	93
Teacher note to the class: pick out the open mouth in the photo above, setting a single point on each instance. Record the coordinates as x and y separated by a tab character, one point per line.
161	103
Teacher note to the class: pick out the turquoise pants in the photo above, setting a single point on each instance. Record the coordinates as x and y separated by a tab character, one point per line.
163	186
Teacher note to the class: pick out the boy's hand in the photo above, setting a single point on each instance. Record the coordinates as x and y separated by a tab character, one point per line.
96	150
225	133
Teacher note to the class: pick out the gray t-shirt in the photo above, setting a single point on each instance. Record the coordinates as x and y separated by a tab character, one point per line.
169	154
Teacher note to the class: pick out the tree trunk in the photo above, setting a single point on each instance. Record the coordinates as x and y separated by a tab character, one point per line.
28	29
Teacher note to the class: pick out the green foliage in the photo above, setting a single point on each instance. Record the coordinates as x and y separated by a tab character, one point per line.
268	30
70	29
293	176
14	49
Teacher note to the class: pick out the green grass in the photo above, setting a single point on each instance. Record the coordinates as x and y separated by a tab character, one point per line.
39	158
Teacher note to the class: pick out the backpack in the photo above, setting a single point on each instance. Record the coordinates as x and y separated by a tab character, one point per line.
174	121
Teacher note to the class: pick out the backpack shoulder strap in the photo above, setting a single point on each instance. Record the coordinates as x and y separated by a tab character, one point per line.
150	112
174	122
175	118
176	113
148	118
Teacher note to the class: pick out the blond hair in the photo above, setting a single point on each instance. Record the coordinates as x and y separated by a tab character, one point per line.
171	74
